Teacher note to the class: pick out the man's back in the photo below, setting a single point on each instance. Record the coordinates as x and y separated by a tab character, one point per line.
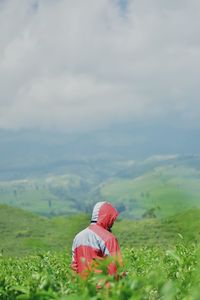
96	242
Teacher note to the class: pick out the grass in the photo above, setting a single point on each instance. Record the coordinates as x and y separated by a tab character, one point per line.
22	233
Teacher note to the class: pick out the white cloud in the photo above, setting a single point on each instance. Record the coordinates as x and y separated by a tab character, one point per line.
81	64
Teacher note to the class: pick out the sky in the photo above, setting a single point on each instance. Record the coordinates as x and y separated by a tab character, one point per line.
83	65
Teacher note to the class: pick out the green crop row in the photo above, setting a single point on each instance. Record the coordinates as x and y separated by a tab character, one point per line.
152	273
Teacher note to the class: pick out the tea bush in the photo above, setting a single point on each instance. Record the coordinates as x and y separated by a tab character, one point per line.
152	273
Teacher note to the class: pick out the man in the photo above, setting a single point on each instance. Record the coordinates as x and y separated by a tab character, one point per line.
96	242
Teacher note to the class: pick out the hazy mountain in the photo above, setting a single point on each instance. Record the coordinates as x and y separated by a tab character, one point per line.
40	151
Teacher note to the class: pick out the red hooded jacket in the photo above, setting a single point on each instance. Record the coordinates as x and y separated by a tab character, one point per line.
96	241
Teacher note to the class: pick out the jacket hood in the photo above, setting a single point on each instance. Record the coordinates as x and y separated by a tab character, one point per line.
104	214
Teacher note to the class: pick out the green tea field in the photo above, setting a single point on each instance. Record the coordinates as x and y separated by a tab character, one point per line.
152	274
161	258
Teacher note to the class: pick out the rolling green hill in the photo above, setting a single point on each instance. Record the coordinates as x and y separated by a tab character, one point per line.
161	191
57	190
50	195
23	233
159	186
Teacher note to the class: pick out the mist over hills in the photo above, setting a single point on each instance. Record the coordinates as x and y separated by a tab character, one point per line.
58	173
23	152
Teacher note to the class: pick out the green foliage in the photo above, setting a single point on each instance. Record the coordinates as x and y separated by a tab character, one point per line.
152	274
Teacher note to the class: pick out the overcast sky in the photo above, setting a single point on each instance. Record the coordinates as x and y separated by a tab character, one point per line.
86	64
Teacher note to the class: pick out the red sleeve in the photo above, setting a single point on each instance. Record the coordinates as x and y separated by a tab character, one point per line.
114	251
74	264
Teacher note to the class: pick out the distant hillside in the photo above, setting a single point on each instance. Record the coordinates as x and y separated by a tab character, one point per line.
159	186
61	190
49	196
22	233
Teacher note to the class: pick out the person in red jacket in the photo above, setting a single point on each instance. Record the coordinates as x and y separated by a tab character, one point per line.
96	242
